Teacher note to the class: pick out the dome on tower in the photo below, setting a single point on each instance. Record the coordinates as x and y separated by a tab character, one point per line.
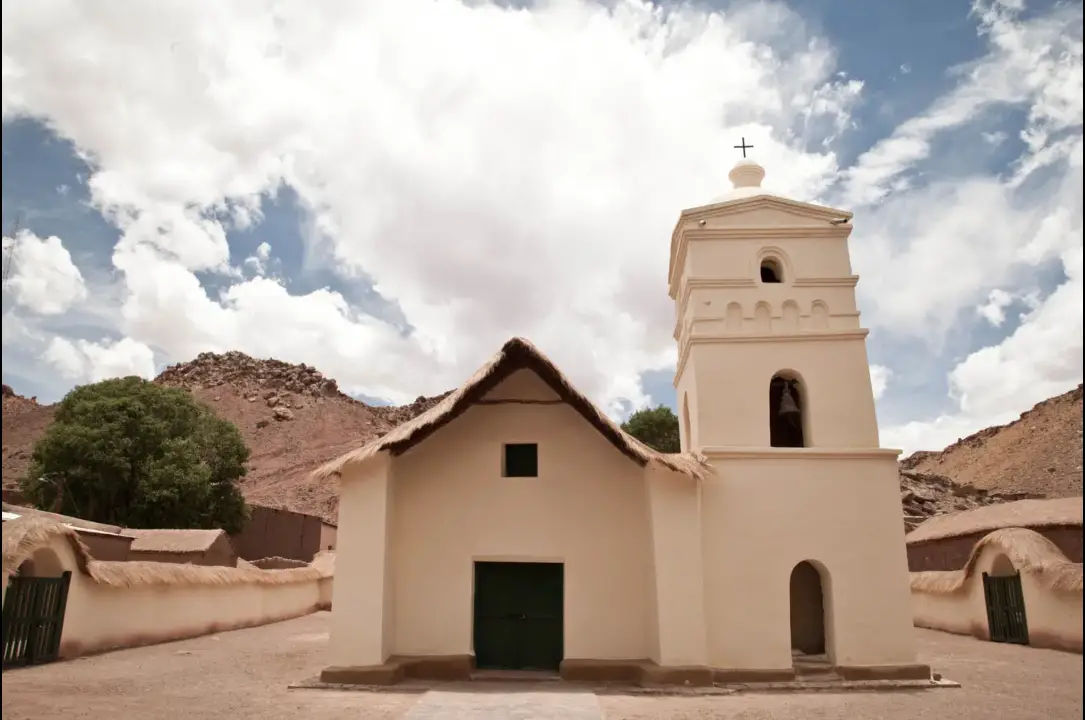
746	177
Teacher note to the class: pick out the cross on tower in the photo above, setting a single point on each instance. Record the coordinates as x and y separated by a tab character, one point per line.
743	147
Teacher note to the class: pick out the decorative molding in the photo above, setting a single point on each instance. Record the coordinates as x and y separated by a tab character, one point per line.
805	453
726	338
698	282
684	327
795	336
759	202
716	283
848	281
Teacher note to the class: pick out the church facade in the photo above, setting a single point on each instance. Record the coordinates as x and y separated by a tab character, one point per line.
516	527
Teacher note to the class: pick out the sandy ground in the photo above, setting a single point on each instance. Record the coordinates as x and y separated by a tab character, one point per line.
244	674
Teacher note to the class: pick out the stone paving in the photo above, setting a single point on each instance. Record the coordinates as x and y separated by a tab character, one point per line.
480	701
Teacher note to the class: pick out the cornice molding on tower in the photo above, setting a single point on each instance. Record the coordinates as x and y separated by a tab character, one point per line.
806	453
682	326
847	281
737	338
745	283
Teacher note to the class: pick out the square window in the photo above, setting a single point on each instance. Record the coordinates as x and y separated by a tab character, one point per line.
521	460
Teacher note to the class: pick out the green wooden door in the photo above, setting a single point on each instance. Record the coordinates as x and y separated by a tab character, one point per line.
518	615
34	619
1006	619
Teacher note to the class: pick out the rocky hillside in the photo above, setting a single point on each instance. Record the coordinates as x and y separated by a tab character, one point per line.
1038	454
292	417
924	495
24	422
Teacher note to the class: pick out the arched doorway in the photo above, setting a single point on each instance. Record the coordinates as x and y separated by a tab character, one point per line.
1004	597
807	610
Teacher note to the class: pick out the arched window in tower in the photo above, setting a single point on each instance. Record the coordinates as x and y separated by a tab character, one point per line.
787	412
771	271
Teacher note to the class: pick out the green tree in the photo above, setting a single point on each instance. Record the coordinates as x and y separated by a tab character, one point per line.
130	452
655	427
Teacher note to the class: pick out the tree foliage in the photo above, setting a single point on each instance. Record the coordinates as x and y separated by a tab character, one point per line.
655	427
132	453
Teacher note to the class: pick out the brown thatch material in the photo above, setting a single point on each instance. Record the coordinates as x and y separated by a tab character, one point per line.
180	542
1021	514
516	354
63	519
278	563
22	537
1030	552
25	535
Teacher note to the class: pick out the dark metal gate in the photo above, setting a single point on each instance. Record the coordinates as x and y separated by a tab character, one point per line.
1005	600
34	619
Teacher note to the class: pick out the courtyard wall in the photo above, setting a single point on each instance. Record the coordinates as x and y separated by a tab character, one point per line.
126	604
953	600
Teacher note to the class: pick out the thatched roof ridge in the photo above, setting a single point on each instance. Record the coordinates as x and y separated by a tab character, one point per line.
24	536
516	354
1020	513
27	534
173	541
64	519
1029	551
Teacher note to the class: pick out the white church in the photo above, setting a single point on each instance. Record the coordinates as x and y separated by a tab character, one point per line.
516	527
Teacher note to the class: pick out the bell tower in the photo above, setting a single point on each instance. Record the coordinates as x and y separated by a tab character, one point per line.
802	509
771	350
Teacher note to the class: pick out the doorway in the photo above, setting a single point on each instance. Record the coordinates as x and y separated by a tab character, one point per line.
807	611
1005	602
518	615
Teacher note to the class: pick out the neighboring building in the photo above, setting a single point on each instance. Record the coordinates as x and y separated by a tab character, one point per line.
274	532
105	542
945	542
328	534
514	525
197	547
113	542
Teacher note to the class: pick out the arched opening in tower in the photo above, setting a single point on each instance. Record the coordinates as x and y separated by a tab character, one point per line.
807	610
787	413
771	272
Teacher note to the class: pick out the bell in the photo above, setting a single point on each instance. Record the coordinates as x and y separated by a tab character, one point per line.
788	406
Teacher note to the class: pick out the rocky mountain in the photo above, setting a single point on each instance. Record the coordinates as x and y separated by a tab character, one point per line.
1038	454
294	418
25	421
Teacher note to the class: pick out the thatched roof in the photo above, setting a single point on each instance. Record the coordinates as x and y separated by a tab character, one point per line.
64	519
173	541
1021	513
24	536
1029	551
516	354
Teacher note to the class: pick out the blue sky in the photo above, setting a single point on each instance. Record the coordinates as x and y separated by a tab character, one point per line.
311	185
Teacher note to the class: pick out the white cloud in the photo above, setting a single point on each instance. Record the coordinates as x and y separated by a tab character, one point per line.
41	274
879	379
519	176
258	261
84	361
498	172
994	310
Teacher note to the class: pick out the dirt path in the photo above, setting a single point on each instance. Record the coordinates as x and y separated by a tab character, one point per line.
244	674
236	675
